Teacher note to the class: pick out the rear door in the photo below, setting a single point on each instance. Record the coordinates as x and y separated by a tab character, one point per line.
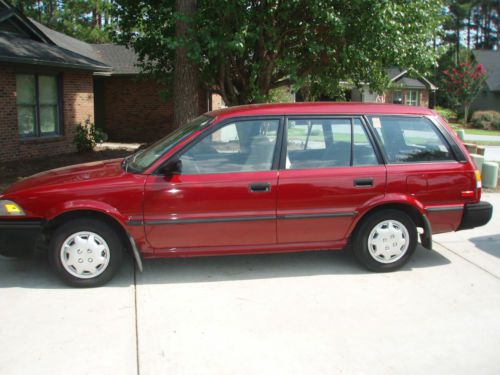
330	169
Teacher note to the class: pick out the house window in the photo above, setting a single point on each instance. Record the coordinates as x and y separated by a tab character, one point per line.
412	98
397	97
37	105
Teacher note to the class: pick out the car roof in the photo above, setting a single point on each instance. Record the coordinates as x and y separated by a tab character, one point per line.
319	108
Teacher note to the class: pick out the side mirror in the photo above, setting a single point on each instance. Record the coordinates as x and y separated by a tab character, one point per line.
172	168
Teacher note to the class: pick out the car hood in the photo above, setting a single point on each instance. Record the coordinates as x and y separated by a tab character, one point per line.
70	174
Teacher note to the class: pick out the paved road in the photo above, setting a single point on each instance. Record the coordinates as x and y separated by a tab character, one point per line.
309	313
479	137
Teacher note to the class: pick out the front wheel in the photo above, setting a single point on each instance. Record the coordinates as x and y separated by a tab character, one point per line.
85	252
385	241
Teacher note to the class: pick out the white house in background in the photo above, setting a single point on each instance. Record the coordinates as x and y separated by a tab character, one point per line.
404	89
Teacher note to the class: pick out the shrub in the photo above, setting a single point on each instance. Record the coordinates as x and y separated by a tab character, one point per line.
486	120
463	83
87	136
446	113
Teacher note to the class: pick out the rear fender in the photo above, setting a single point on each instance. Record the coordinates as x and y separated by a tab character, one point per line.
405	202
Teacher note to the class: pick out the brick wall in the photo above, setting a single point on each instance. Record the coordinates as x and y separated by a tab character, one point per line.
135	110
423	100
77	97
9	138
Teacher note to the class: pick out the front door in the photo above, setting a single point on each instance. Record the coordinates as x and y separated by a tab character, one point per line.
331	170
225	194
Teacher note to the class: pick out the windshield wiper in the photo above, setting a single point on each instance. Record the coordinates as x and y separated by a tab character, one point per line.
126	163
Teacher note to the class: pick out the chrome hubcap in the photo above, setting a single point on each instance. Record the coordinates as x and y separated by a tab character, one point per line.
388	241
85	255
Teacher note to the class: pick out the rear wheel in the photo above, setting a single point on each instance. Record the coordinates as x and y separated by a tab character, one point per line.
385	241
85	252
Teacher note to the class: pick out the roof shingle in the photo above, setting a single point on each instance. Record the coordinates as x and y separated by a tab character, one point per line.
14	49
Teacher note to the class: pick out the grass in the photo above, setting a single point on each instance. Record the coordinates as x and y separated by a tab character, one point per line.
456	126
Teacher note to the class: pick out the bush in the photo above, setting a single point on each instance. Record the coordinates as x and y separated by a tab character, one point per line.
486	120
446	113
87	136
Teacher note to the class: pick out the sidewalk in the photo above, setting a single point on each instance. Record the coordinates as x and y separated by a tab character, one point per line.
479	137
492	153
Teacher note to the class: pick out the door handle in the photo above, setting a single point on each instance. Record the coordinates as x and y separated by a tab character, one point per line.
259	187
363	182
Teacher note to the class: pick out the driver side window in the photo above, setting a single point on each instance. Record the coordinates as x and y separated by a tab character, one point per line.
236	147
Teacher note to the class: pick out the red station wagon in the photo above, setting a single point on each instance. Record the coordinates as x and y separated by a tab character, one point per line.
255	179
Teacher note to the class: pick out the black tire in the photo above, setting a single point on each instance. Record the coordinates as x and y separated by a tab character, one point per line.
361	236
103	230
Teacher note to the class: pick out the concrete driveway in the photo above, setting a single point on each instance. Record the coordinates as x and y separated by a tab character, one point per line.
309	313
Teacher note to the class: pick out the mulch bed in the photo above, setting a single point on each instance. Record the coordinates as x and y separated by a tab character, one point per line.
11	172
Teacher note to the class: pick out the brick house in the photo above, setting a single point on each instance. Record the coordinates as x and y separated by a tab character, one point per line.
50	82
406	87
44	90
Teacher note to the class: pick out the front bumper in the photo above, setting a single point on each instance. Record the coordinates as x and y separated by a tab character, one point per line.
18	237
476	215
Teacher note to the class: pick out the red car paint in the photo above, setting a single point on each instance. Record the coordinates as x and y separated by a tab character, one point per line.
136	200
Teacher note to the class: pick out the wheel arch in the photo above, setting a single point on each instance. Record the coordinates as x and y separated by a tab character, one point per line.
417	215
64	217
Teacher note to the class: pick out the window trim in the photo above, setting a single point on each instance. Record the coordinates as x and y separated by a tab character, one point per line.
351	117
212	128
59	119
417	97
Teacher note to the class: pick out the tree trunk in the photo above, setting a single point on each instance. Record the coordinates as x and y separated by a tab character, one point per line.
466	113
469	21
186	98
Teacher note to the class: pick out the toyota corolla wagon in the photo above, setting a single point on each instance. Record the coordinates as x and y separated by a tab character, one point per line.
255	179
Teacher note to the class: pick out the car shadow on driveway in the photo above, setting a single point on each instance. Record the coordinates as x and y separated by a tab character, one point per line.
488	244
35	272
265	266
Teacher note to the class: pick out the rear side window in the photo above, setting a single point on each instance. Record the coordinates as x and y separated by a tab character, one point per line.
410	139
327	143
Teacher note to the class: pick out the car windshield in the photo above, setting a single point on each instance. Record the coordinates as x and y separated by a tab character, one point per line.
143	159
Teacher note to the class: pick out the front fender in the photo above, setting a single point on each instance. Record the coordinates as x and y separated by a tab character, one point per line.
87	205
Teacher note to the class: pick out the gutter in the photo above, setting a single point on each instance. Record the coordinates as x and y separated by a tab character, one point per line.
38	62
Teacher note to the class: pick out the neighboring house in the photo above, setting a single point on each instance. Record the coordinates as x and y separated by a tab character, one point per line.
404	89
489	97
44	90
50	82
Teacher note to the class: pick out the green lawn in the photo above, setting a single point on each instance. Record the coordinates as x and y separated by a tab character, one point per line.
475	131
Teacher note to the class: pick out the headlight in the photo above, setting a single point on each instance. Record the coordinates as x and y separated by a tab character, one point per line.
9	208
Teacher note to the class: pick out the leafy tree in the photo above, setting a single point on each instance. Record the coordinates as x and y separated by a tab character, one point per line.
458	13
478	18
245	48
463	83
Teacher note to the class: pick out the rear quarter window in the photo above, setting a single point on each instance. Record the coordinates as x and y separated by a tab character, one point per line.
407	139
